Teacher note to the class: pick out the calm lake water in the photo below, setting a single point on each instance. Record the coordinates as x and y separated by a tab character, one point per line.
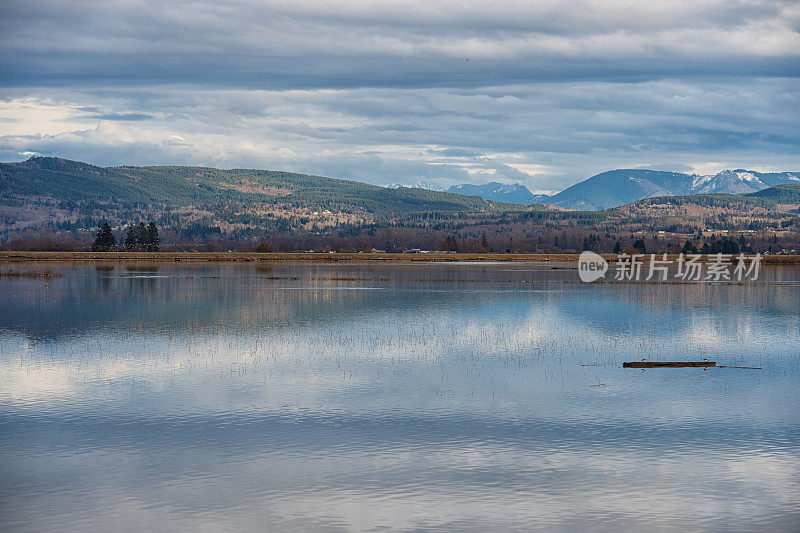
365	397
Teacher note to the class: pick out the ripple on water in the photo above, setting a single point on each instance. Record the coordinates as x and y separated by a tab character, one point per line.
450	398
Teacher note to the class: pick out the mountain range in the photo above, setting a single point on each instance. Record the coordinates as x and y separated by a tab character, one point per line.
514	193
621	187
624	186
53	190
200	204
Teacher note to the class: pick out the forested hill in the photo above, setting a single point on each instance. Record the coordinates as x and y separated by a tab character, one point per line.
56	204
62	180
787	193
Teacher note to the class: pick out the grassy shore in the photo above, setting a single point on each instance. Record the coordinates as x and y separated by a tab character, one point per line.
202	257
190	257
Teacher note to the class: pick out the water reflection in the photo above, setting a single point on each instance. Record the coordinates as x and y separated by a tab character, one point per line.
415	396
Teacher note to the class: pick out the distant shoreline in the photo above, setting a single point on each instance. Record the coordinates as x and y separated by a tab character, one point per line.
319	257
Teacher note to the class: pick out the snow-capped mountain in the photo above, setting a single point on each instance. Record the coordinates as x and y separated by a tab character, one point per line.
620	187
422	184
514	193
427	185
740	181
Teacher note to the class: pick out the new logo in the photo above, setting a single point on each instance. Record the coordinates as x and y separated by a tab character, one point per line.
591	267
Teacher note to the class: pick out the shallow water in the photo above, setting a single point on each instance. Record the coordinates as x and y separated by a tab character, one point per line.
363	397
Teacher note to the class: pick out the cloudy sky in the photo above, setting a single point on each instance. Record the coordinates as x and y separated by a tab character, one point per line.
543	93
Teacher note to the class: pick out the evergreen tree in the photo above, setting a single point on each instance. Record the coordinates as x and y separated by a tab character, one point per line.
143	236
104	241
449	244
724	246
484	242
689	248
152	237
617	248
640	246
131	237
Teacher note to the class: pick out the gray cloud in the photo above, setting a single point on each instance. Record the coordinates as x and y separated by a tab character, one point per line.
317	44
120	116
553	92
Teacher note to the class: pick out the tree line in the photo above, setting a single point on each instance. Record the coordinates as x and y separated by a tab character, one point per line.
138	237
544	237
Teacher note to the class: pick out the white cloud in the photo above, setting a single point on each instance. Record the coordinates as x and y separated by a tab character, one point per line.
545	135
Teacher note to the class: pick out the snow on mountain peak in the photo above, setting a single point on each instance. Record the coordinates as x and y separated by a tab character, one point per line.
698	180
729	181
422	184
427	185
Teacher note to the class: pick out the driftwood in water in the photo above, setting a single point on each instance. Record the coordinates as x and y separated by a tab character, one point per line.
670	364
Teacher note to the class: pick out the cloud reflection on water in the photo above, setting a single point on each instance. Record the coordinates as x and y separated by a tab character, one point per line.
215	397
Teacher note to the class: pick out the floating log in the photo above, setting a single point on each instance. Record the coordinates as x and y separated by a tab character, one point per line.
668	364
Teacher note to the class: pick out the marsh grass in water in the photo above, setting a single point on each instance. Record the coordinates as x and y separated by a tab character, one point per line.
40	273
